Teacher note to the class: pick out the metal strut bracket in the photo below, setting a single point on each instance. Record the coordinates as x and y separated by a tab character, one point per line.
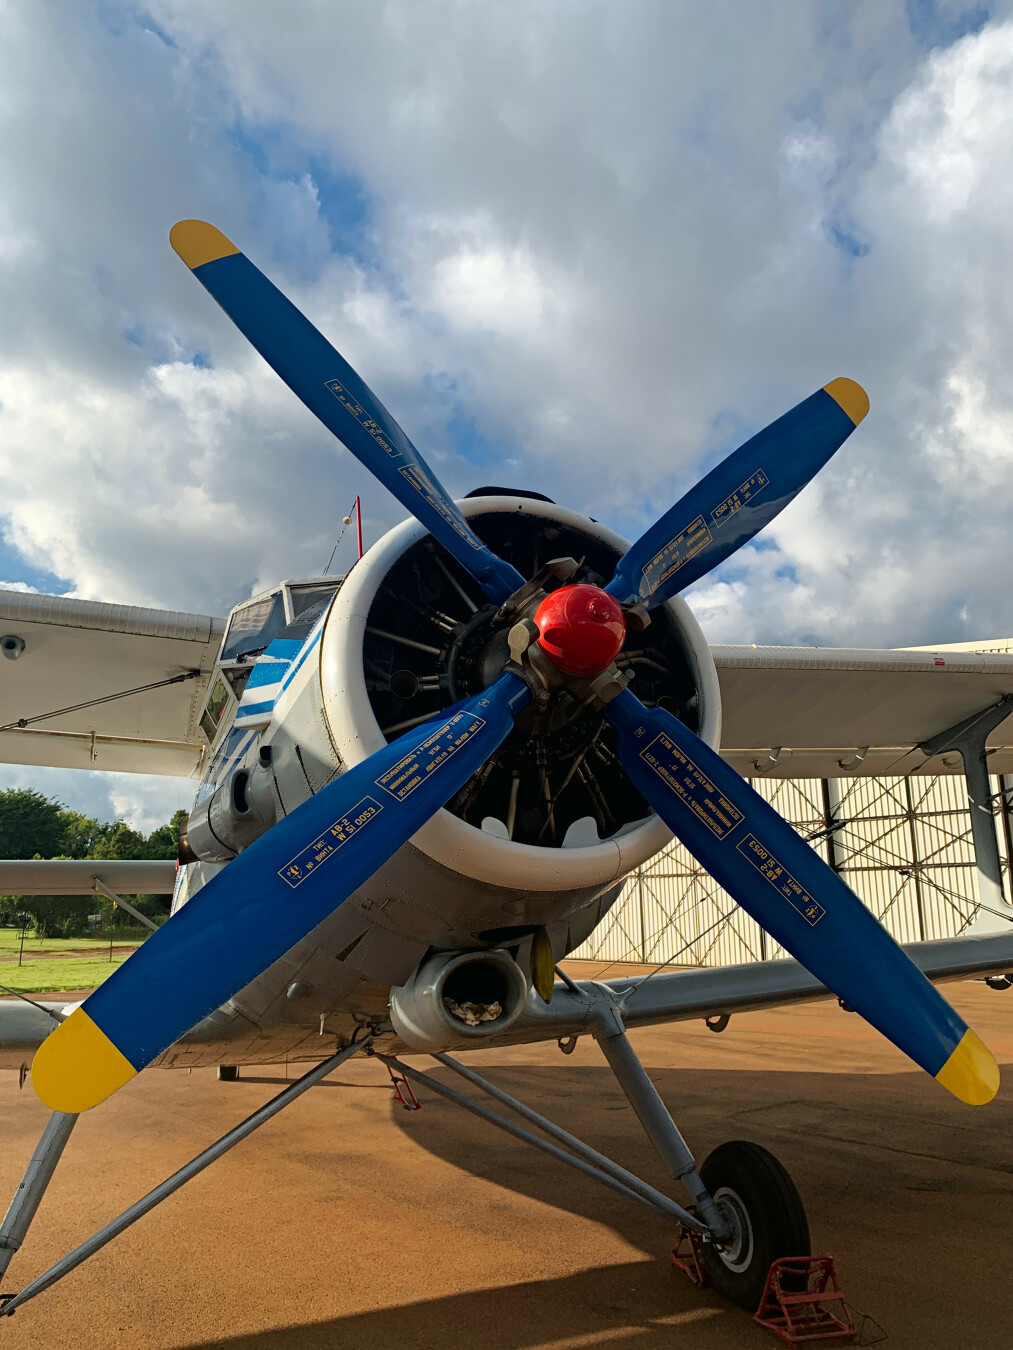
402	1088
968	739
43	1164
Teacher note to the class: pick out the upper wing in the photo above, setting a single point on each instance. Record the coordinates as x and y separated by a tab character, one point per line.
76	651
813	712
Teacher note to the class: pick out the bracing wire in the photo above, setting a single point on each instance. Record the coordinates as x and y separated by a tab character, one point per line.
346	520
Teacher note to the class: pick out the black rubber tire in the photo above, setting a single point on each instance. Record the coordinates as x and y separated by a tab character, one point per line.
761	1188
228	1073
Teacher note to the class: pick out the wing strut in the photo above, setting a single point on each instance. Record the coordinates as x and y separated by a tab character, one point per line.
54	1138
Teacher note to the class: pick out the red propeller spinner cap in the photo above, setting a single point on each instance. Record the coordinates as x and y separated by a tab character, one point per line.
581	629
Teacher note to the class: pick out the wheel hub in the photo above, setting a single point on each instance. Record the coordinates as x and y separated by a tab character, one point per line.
737	1251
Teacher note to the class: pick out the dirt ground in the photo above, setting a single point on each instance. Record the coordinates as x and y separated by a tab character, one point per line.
349	1222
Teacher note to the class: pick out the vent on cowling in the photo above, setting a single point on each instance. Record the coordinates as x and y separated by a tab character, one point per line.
431	640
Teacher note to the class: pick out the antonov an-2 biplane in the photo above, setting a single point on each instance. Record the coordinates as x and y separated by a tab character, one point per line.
422	785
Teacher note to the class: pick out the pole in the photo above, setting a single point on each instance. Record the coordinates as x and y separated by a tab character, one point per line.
916	875
358	523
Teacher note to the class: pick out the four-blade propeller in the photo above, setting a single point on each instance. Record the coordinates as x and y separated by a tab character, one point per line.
283	885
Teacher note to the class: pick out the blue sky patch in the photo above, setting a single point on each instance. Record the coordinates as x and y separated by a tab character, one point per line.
275	153
938	26
14	567
845	239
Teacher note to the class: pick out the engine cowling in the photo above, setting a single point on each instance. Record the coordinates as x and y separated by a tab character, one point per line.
410	633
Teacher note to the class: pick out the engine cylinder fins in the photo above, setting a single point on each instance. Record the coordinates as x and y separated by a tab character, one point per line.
456	999
555	768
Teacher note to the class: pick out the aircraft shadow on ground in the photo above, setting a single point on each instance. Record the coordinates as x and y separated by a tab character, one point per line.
891	1144
574	1309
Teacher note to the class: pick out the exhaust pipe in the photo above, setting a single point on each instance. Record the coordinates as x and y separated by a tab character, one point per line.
458	999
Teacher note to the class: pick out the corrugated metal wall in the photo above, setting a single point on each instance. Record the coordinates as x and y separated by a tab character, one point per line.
902	844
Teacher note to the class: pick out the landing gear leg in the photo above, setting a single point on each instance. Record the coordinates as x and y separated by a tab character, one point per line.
744	1195
746	1212
661	1129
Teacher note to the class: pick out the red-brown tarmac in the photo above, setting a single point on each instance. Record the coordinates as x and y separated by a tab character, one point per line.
349	1222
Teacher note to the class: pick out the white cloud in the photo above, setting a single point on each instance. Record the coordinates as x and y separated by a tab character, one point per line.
143	801
616	241
490	288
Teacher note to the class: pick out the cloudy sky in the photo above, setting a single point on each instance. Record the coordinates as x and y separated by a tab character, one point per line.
577	246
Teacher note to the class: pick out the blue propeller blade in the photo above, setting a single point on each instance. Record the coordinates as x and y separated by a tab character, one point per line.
269	897
790	891
330	388
735	500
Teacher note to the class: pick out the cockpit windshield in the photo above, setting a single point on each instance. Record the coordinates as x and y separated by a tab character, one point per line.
253	626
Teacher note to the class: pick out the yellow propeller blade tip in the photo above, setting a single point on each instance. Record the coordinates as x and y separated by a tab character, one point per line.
197	242
851	396
971	1072
78	1066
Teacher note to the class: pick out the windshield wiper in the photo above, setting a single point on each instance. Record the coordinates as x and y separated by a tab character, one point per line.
250	651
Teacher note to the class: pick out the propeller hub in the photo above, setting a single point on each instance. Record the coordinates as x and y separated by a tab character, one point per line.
581	629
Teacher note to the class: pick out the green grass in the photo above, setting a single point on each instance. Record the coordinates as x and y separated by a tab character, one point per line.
45	977
46	971
10	943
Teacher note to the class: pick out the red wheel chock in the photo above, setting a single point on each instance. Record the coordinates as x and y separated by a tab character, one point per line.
403	1090
686	1256
811	1308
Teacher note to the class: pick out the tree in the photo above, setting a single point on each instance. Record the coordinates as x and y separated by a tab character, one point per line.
119	841
164	842
31	825
51	914
81	834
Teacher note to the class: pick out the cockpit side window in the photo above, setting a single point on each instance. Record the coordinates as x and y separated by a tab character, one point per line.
218	701
312	597
254	626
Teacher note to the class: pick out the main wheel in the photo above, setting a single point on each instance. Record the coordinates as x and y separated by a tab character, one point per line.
764	1211
228	1073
